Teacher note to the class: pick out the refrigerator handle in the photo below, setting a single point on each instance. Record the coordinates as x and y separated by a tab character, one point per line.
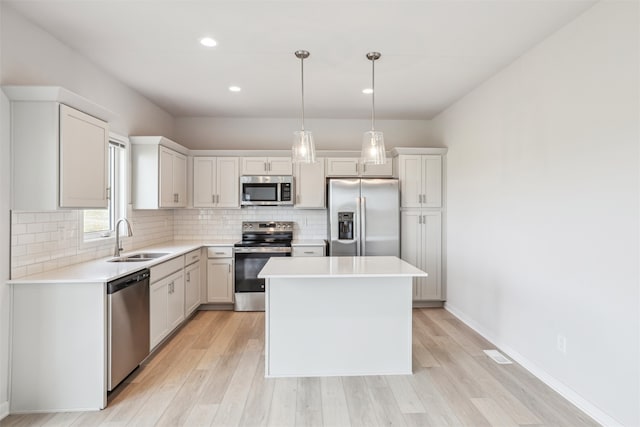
363	212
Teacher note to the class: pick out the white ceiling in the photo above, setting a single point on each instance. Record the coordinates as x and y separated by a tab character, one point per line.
433	51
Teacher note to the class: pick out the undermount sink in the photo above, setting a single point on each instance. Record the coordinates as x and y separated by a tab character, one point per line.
149	255
143	256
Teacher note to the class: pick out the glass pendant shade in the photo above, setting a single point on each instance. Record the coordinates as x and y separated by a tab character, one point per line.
303	149
373	151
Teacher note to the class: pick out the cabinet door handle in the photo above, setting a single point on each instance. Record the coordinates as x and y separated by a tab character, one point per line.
217	198
194	257
188	276
108	193
229	268
213	198
419	219
424	219
424	198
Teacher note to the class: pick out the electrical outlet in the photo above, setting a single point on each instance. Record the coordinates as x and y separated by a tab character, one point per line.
561	344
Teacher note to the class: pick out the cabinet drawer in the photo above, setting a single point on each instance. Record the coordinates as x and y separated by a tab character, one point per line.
166	268
193	256
307	251
220	252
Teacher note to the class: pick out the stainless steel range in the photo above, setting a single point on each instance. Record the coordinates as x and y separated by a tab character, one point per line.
260	241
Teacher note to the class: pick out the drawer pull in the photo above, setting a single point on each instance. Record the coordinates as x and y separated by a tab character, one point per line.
220	253
309	252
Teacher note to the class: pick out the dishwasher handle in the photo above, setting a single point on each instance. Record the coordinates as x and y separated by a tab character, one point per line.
125	282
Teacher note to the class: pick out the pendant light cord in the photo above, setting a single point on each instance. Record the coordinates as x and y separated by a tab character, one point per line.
302	79
373	93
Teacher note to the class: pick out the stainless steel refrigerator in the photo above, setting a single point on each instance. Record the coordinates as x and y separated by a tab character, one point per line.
364	217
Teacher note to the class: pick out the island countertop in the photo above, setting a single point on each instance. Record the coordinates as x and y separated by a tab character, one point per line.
328	267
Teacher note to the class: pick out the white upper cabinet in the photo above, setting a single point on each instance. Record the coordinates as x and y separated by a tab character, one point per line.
159	174
420	180
60	157
84	148
216	182
173	178
352	166
267	166
310	185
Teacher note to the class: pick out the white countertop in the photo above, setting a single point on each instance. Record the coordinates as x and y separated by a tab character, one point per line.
101	271
364	266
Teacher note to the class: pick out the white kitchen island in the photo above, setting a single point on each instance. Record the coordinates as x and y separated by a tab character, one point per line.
338	316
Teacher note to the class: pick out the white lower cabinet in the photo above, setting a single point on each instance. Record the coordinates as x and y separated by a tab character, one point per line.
192	280
421	245
220	280
166	299
166	306
158	297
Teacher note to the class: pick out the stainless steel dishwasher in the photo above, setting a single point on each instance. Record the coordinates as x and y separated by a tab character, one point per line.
128	317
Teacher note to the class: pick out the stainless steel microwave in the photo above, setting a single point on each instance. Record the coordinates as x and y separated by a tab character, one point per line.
268	190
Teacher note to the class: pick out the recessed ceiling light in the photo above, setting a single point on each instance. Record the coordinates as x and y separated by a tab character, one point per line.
367	91
208	42
235	88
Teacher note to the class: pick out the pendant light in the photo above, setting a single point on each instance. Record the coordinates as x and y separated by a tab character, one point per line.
303	149
373	151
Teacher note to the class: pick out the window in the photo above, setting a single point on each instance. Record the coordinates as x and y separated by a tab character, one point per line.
100	223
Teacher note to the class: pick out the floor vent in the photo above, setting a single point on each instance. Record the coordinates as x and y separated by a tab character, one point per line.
498	357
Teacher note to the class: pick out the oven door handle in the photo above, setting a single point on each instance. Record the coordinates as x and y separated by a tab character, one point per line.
261	250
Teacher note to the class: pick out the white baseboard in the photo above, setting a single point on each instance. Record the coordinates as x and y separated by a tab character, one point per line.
564	391
4	409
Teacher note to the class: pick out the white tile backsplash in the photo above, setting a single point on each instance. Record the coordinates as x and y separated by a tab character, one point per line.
211	224
44	241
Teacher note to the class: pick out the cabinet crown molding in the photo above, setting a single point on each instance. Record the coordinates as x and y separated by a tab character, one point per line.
58	94
160	140
418	150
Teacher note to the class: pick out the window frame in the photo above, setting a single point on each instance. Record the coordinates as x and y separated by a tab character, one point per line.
118	195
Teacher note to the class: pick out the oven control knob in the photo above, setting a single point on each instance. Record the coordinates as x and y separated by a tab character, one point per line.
288	225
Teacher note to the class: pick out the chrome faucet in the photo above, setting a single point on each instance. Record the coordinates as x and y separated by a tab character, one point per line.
116	252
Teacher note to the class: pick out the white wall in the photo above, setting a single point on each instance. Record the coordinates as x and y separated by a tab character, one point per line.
203	133
543	210
5	243
31	56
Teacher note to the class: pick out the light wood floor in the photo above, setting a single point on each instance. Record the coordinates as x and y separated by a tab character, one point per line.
212	373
